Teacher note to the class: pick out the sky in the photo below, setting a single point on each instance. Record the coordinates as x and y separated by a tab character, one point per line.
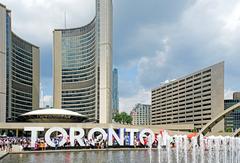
153	40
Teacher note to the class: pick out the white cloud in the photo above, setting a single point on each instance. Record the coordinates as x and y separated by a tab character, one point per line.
34	20
150	66
142	96
228	93
46	100
206	32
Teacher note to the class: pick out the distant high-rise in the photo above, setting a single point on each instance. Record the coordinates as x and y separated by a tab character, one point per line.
115	96
83	66
196	98
141	114
236	95
19	71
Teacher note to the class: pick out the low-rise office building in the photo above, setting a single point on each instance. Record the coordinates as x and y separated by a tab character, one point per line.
195	98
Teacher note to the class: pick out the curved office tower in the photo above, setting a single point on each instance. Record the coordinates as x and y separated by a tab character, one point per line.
19	76
83	66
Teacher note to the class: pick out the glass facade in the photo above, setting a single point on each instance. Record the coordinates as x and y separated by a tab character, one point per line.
21	80
83	66
79	70
19	74
232	120
115	96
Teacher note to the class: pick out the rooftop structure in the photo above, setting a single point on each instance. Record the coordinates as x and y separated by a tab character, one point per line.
53	116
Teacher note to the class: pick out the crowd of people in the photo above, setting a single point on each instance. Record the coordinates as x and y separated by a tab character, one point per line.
24	143
6	143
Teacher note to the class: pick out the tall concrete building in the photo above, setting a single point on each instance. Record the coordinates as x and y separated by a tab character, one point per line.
141	114
195	98
115	95
83	66
19	71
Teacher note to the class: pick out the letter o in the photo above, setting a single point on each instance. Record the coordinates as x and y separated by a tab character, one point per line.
143	133
92	131
50	131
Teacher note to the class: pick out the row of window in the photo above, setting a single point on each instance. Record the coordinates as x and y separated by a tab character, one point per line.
205	84
181	83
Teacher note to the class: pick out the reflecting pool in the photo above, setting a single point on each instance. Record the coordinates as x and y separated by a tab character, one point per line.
126	156
84	157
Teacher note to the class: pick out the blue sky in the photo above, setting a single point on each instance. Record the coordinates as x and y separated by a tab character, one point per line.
153	41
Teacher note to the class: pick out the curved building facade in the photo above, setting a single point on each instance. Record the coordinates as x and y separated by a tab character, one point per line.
83	66
23	78
20	62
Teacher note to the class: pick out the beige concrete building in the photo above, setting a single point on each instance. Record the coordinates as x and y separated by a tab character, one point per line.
141	114
3	75
195	98
83	66
19	71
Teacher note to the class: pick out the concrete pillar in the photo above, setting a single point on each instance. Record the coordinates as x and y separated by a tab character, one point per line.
16	132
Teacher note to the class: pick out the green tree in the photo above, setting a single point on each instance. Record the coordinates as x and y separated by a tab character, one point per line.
195	130
122	118
117	118
129	120
229	129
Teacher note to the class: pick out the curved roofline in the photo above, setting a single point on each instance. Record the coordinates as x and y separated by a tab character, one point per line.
53	111
25	40
66	29
218	118
2	5
8	10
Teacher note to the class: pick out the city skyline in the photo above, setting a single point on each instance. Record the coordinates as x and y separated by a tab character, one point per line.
167	38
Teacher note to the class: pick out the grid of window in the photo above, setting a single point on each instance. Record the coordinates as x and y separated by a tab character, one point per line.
20	78
232	120
141	114
79	70
187	100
